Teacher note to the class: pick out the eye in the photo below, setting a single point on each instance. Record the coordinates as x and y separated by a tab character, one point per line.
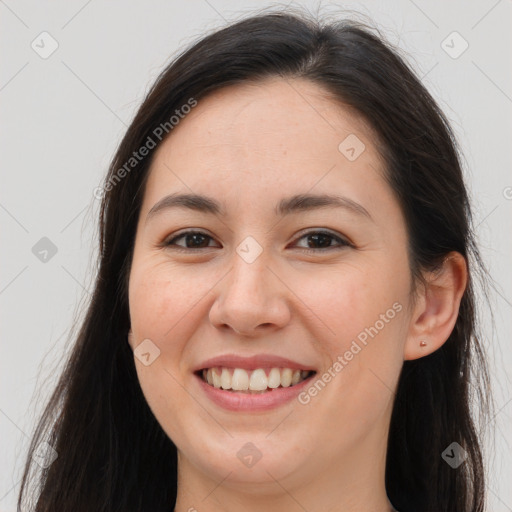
195	238
199	240
323	239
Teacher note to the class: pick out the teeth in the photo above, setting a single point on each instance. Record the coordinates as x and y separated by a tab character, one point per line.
258	381
295	377
238	379
286	377
225	379
215	377
274	378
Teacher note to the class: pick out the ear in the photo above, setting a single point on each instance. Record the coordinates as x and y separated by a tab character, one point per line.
131	339
437	307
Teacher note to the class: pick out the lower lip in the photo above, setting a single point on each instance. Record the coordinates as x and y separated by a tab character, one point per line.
240	401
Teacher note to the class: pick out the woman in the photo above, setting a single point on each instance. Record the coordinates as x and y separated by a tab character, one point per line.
224	364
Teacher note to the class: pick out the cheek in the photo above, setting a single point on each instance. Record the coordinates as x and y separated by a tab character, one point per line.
161	310
161	300
363	315
352	301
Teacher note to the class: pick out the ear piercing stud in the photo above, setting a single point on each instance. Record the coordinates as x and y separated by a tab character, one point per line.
423	343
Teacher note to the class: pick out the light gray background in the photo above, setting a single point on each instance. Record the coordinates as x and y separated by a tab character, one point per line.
63	116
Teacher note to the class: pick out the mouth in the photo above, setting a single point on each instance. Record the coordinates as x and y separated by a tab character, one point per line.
255	381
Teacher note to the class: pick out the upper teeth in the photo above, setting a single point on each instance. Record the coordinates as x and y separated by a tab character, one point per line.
239	379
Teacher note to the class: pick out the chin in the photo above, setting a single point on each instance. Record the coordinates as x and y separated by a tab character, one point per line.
249	463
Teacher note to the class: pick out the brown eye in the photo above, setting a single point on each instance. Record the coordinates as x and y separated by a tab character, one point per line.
321	240
317	241
193	240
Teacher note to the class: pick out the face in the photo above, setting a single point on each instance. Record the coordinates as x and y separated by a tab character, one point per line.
324	287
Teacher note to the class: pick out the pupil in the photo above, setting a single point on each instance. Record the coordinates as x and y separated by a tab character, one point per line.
195	237
322	237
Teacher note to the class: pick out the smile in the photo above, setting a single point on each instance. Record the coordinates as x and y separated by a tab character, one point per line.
259	380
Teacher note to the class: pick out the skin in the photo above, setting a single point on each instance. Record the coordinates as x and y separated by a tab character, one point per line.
248	146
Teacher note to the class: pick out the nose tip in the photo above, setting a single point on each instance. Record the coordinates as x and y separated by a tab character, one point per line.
248	331
251	301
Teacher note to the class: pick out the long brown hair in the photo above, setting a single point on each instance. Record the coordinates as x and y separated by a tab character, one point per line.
112	453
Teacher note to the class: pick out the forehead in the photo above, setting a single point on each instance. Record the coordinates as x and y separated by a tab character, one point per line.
271	114
270	135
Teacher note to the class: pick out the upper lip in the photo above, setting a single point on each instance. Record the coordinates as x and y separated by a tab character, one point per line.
252	363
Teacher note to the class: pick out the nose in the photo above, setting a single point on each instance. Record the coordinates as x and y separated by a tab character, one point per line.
252	300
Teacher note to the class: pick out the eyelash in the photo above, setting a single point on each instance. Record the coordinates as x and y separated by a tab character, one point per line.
343	243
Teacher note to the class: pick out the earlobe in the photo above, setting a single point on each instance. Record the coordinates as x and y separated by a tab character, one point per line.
437	307
130	338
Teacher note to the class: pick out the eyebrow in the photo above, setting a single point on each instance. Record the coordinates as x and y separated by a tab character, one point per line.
294	204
